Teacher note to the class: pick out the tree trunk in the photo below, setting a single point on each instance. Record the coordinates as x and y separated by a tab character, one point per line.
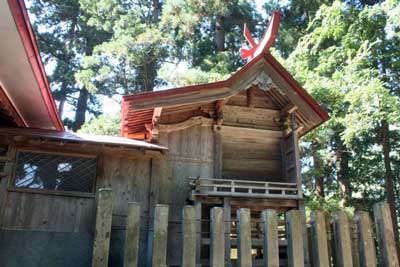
342	165
389	179
220	33
80	113
319	178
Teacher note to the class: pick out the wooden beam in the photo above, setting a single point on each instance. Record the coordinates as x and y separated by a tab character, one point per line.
184	98
288	109
198	120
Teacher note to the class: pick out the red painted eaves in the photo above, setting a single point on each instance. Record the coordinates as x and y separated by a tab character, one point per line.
297	87
24	27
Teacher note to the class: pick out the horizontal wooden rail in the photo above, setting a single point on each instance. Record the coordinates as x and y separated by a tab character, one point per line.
243	188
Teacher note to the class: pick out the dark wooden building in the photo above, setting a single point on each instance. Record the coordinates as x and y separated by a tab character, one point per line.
232	143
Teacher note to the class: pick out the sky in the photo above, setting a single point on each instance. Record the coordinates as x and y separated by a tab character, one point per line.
112	105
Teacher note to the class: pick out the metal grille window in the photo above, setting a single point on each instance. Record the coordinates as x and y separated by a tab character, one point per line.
55	172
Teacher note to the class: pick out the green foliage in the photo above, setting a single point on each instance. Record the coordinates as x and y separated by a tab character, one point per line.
103	125
346	61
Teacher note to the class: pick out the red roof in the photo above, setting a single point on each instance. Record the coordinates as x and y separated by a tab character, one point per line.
20	15
136	115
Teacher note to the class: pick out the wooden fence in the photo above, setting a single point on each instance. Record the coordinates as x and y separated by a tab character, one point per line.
343	251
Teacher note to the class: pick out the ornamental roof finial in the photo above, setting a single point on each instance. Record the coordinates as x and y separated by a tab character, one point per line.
266	42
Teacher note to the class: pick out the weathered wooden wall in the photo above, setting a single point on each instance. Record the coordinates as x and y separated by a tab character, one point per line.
190	155
251	138
36	212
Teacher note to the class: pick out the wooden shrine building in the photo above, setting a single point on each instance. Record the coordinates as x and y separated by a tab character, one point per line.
231	143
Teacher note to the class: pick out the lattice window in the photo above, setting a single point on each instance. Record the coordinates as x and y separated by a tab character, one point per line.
55	172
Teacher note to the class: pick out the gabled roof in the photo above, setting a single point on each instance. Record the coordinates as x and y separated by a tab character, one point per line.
23	83
263	70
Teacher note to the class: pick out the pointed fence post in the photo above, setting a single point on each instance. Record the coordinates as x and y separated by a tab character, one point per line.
160	234
366	244
319	239
385	235
341	229
217	246
101	245
270	238
244	237
294	229
132	235
189	237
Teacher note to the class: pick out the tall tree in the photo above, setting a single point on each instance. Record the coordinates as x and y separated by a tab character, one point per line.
64	37
346	60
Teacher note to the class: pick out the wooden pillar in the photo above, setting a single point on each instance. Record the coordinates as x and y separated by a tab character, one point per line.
132	235
189	237
385	235
160	234
198	208
341	229
270	238
244	237
366	244
217	152
101	246
295	245
319	239
227	220
217	246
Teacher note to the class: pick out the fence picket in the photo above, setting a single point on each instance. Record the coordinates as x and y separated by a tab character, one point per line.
366	245
244	237
351	249
270	238
341	229
189	237
132	234
217	246
101	245
319	239
159	257
385	235
294	233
